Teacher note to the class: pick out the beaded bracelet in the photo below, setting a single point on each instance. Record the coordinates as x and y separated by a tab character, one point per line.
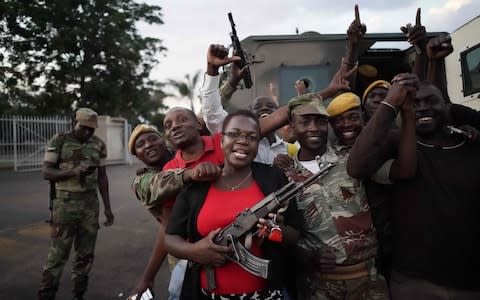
395	109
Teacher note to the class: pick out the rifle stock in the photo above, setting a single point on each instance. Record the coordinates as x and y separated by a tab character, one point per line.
237	47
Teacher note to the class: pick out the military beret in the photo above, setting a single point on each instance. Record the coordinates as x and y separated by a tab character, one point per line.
342	103
308	104
86	117
376	84
140	129
367	71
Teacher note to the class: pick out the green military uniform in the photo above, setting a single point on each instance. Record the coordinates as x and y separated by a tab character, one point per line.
153	187
336	215
75	212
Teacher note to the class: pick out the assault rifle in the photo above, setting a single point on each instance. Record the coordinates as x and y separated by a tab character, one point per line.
51	196
246	220
237	50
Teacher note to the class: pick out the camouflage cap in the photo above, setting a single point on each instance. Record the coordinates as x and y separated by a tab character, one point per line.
308	104
140	129
86	117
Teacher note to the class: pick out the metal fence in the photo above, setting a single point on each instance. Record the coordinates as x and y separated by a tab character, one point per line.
23	139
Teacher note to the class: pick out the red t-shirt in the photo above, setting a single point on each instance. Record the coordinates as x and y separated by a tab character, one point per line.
212	152
219	210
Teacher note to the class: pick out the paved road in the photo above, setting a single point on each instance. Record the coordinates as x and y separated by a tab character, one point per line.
122	249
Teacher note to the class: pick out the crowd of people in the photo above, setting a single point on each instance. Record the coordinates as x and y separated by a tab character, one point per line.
395	218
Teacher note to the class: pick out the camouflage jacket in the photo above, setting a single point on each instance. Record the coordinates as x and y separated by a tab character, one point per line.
335	211
154	188
67	152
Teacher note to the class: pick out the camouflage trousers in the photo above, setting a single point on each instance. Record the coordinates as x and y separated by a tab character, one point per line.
75	222
363	288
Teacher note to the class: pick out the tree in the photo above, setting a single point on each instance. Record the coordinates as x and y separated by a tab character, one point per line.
60	54
186	89
149	111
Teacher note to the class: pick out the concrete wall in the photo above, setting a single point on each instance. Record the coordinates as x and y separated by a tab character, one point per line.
114	132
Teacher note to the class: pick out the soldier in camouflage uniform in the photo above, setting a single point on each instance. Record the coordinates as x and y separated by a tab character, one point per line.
76	162
338	242
156	190
147	144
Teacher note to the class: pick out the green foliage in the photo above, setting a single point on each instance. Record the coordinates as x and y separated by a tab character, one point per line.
186	88
58	54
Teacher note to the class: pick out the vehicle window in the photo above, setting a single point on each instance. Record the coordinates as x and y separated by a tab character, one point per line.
470	60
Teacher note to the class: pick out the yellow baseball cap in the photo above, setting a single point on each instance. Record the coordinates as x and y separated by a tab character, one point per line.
140	129
342	103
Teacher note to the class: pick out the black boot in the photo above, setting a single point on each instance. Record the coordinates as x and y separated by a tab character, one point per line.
48	289
45	295
80	284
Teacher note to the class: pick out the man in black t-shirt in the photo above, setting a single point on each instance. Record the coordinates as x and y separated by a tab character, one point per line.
436	183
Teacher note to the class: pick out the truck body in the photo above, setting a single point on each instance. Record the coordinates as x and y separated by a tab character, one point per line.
463	65
278	61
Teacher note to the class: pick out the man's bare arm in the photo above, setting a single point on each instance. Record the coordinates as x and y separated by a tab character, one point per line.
156	257
370	149
51	172
405	165
103	188
417	36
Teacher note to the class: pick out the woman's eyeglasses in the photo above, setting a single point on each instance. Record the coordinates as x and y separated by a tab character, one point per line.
249	137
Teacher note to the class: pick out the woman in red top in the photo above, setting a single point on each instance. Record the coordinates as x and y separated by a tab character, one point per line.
202	209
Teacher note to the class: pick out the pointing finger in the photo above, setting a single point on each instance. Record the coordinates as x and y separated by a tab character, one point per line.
417	19
357	14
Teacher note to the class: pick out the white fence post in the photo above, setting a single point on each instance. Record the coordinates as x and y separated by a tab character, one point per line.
23	139
15	158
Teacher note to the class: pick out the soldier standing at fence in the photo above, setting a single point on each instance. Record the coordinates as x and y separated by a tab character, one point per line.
76	162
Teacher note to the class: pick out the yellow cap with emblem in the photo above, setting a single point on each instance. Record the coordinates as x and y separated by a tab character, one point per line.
141	128
342	103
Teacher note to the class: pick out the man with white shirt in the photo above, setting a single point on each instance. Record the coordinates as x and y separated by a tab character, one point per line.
214	113
271	145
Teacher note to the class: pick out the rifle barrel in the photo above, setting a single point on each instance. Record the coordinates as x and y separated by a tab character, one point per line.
230	17
306	183
289	190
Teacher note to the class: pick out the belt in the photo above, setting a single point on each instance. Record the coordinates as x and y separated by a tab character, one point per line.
74	195
347	272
